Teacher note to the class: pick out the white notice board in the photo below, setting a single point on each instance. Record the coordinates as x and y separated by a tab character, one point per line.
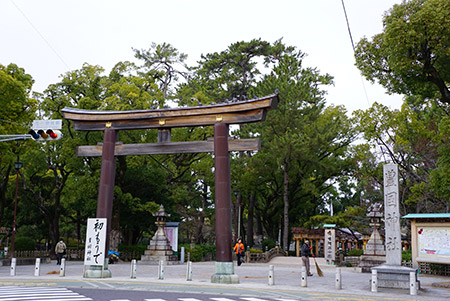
433	241
94	253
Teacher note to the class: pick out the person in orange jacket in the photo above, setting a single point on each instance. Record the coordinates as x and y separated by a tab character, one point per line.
239	249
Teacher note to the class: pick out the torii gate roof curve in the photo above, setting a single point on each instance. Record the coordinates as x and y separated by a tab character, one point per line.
230	113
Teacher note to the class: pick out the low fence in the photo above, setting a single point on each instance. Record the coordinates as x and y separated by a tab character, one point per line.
264	257
424	267
430	268
130	255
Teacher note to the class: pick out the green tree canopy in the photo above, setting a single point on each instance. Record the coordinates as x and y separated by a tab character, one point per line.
411	56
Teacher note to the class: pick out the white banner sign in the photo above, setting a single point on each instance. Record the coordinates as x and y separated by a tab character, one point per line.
95	242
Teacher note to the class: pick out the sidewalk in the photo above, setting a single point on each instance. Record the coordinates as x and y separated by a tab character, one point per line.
253	280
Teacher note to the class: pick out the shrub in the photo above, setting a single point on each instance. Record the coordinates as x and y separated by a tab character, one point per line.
24	243
355	252
253	250
139	248
406	255
199	252
269	243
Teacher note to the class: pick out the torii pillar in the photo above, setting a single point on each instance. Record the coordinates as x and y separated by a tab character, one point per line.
107	180
224	261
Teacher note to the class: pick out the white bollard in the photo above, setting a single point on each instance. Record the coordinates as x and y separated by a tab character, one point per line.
133	269
13	267
271	278
374	283
189	271
161	270
338	279
304	277
182	255
412	284
62	270
37	267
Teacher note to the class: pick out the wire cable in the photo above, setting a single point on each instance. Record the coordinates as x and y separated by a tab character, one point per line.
41	35
354	50
348	26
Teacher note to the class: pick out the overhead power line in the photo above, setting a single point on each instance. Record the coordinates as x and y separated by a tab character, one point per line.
348	25
354	50
40	34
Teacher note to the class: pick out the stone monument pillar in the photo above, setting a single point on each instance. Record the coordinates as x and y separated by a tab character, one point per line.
392	216
330	243
392	274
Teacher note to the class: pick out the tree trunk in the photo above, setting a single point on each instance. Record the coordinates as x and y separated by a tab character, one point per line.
3	188
250	221
199	236
78	228
286	207
115	234
259	229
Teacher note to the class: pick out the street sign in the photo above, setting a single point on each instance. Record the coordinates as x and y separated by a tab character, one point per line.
54	124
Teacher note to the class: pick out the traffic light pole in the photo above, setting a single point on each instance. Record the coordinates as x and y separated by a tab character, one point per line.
14	137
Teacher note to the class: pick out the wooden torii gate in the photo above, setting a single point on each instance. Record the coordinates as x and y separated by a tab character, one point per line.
220	116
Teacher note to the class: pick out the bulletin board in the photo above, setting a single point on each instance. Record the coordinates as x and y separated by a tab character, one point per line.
433	243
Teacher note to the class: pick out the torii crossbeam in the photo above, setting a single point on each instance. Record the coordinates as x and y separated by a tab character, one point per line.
220	116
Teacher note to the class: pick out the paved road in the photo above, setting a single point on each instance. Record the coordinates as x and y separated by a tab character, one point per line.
253	282
17	293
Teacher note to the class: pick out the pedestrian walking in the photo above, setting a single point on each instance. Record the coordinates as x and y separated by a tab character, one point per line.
239	249
60	251
306	253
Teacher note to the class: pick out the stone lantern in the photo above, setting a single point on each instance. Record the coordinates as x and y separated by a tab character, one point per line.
374	253
159	247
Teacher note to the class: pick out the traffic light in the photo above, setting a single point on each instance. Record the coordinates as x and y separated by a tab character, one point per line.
45	135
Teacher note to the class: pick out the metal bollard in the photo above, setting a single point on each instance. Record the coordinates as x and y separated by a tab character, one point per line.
304	277
412	284
133	269
338	279
374	282
189	271
161	270
271	277
62	270
37	267
182	255
13	267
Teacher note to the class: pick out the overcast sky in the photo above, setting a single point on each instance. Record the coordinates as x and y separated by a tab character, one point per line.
50	37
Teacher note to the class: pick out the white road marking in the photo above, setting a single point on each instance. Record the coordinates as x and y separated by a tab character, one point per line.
16	293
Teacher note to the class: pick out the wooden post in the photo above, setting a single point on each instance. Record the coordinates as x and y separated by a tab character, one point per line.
223	193
414	245
107	177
